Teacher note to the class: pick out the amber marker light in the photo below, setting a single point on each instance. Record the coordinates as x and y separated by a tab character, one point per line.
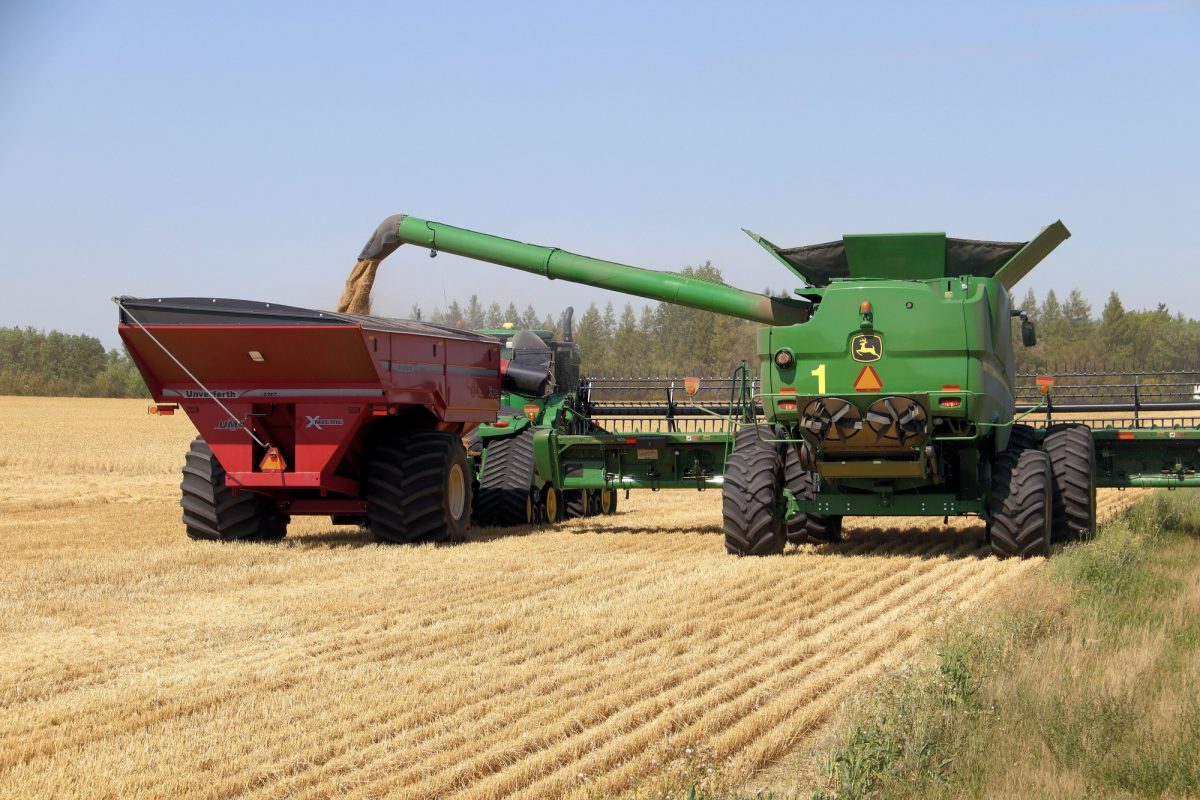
531	411
864	307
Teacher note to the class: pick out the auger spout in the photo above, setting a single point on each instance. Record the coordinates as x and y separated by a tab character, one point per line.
557	264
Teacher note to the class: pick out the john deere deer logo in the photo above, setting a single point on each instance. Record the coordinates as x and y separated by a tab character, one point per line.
866	347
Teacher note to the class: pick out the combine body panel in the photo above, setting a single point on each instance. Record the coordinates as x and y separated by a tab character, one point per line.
318	387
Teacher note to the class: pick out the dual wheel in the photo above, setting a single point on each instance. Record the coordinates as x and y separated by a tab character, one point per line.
759	475
1037	496
507	495
1042	496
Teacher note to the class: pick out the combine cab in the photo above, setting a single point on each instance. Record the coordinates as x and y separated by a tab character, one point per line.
311	412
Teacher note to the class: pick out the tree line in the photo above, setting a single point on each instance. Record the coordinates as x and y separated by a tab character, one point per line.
34	362
661	339
673	340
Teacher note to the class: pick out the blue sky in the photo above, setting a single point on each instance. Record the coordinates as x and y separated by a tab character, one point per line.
247	150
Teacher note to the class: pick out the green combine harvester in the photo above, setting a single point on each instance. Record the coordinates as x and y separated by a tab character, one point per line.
540	391
886	387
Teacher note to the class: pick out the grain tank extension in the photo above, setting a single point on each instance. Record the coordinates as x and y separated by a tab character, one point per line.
886	383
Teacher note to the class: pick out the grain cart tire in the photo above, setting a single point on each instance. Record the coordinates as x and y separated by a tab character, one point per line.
608	501
804	528
212	511
419	488
576	502
504	486
1023	437
751	493
1072	454
1021	504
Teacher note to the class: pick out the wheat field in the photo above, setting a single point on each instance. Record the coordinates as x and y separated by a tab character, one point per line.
626	655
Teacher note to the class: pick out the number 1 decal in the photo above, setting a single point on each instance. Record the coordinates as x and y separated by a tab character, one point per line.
819	374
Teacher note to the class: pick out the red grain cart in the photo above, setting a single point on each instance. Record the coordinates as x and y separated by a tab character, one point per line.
313	412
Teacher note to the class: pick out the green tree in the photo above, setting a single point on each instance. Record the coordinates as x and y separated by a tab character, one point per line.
474	314
592	339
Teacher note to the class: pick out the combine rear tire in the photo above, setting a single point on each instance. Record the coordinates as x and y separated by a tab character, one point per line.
212	511
1021	503
1072	454
419	488
804	528
505	484
751	493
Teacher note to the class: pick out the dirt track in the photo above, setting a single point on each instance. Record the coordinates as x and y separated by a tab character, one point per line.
603	657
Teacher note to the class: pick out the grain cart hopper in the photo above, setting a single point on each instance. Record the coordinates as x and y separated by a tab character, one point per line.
887	387
313	412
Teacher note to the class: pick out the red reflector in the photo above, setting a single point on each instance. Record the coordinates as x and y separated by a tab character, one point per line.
1125	435
376	411
950	402
787	405
272	461
951	387
630	440
162	409
501	423
868	381
787	389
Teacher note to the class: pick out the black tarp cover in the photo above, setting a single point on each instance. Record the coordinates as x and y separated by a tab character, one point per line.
818	264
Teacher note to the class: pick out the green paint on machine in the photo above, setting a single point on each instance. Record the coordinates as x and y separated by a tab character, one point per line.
887	386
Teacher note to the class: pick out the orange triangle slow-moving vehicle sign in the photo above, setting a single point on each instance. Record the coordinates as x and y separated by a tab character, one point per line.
868	380
273	461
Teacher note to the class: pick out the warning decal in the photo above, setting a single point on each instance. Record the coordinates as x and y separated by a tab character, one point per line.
868	381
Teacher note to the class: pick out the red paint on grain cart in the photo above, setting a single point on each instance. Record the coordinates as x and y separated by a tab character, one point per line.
320	386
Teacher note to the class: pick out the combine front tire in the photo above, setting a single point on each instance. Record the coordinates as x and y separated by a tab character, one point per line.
212	511
1072	454
419	488
751	493
1021	503
505	484
805	528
